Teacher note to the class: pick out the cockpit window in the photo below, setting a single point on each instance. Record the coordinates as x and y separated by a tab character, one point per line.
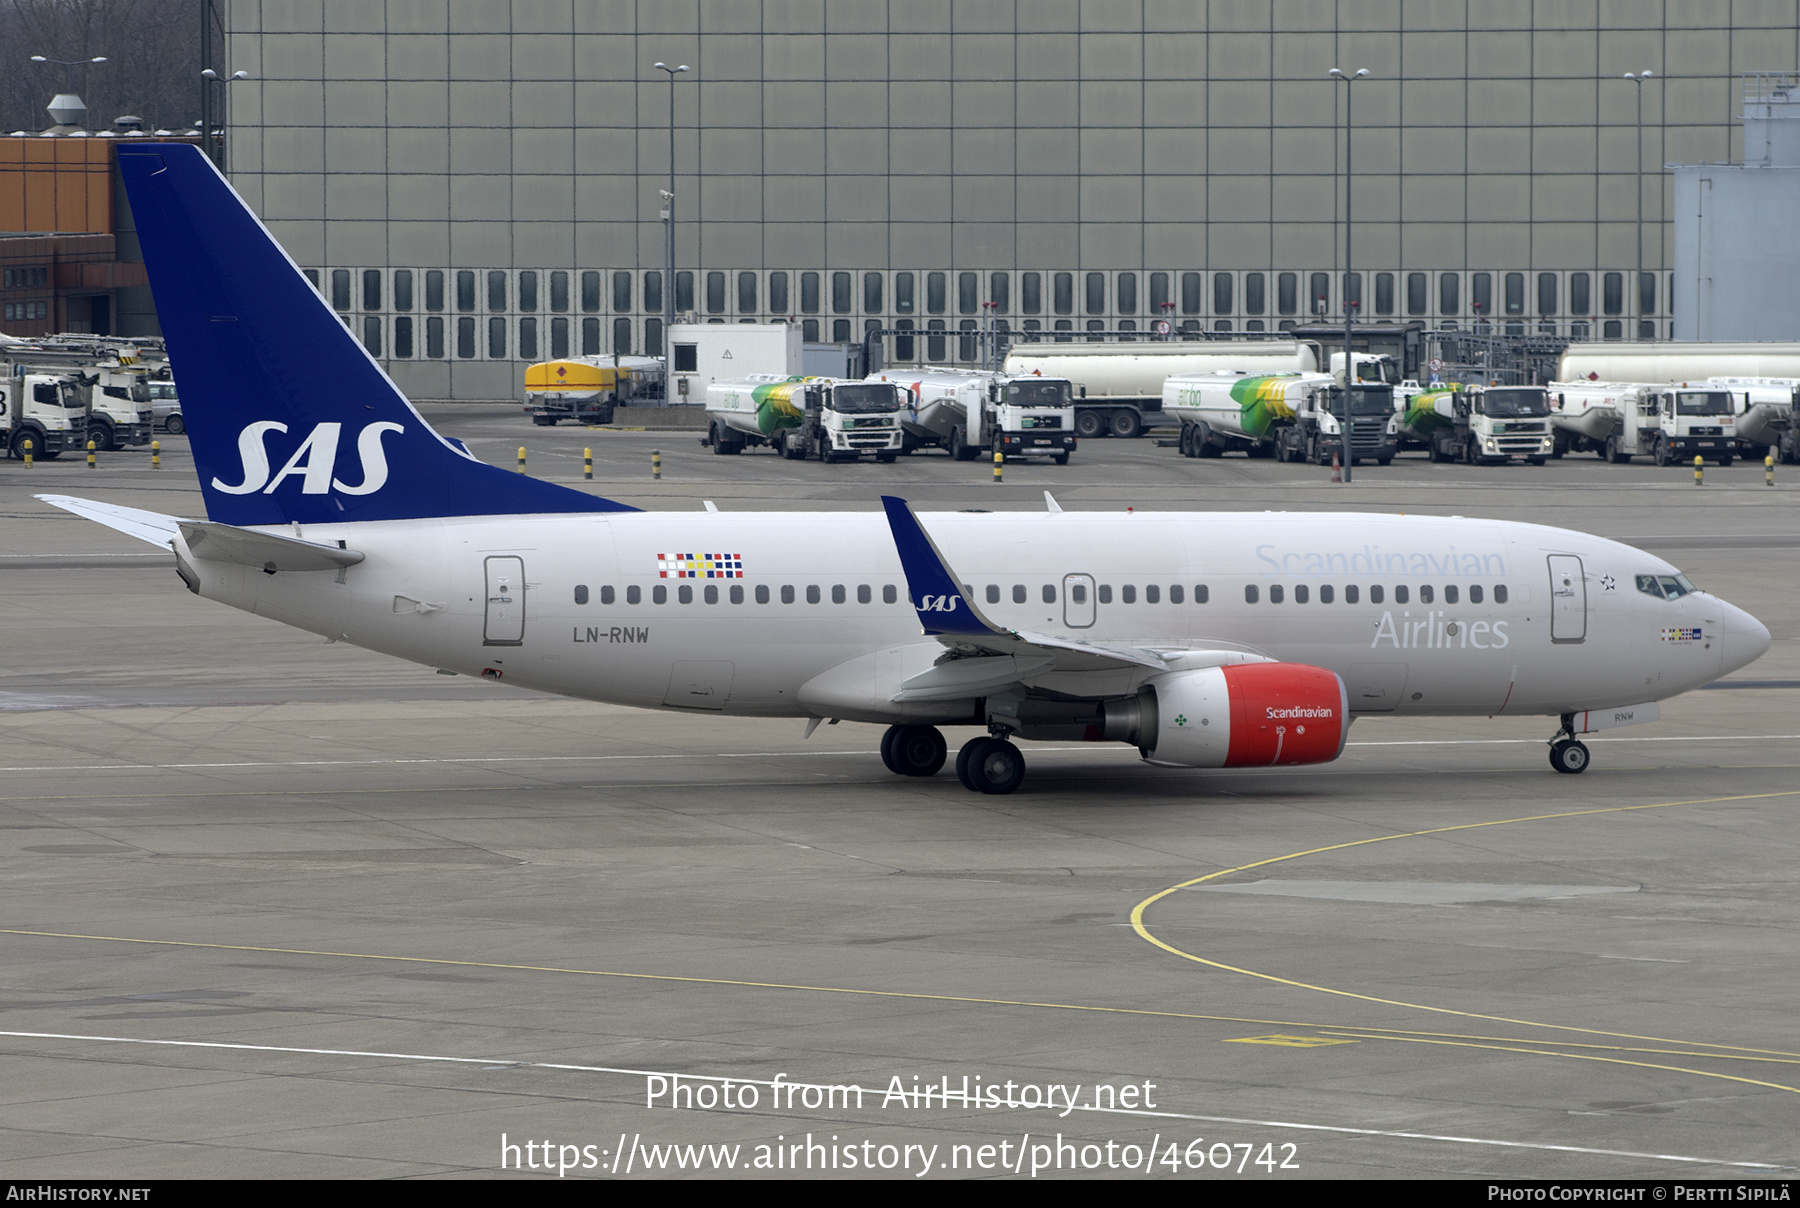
1669	587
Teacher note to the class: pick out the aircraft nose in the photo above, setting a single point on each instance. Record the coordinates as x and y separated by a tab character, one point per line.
1746	639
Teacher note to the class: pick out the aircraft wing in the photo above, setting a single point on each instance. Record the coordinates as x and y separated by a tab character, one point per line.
984	657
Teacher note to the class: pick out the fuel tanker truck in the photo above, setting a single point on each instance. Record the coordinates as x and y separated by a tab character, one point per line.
585	391
1293	417
1424	413
829	418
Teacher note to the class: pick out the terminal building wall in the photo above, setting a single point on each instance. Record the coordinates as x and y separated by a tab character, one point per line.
1080	164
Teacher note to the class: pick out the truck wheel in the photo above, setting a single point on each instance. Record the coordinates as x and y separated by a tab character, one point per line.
541	421
17	449
1127	423
1663	456
102	436
175	424
1725	461
1472	453
1061	459
958	450
887	458
1382	461
1090	425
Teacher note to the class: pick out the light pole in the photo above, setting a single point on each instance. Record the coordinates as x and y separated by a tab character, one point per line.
214	116
1638	78
1349	308
668	217
75	107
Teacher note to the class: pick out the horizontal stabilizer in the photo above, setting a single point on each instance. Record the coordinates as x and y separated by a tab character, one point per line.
223	543
153	527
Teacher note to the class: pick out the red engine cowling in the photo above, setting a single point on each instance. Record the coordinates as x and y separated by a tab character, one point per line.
1243	716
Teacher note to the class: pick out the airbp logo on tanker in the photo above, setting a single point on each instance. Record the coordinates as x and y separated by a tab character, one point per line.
314	463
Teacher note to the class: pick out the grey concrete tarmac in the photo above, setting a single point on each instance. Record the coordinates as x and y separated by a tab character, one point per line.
271	908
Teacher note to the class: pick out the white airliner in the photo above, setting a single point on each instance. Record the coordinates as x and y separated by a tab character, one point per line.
1203	639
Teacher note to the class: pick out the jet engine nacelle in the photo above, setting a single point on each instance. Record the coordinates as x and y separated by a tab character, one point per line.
1243	716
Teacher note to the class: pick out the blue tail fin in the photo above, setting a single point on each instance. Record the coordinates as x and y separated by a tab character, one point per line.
289	417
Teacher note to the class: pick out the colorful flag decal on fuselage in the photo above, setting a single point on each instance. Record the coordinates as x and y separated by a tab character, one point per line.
699	566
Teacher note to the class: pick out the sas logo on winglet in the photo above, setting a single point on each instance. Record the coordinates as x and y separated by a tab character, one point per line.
313	463
940	603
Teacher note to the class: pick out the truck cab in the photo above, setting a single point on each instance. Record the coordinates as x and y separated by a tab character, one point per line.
47	410
1497	424
1034	417
120	411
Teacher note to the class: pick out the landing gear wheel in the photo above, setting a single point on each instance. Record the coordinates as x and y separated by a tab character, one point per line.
990	765
1569	756
1090	425
176	425
913	750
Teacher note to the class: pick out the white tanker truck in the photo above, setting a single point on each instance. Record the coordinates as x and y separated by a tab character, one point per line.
1293	417
830	419
1754	369
1119	387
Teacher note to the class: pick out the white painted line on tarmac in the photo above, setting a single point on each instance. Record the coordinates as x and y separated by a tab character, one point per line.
1090	749
1119	1111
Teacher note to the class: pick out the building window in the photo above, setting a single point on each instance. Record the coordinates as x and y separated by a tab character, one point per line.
621	299
653	337
403	289
1579	301
684	291
465	290
746	293
1096	293
715	293
496	291
1254	302
1646	293
590	337
372	334
1063	286
1481	293
872	293
1221	293
434	290
622	336
403	337
1546	293
1159	293
1384	293
998	291
1515	293
840	293
340	288
434	337
778	293
528	283
465	338
968	293
559	338
1417	300
653	295
1353	298
903	293
528	348
1031	293
559	291
1449	286
1125	293
809	293
496	342
1287	293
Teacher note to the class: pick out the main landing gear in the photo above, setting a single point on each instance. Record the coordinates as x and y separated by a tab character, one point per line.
1566	754
989	764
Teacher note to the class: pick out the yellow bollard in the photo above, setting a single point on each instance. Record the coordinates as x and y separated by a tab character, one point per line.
92	460
656	463
587	464
1769	470
999	460
156	455
27	452
1698	462
521	459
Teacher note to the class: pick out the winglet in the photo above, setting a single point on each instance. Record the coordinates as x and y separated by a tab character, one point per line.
937	594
